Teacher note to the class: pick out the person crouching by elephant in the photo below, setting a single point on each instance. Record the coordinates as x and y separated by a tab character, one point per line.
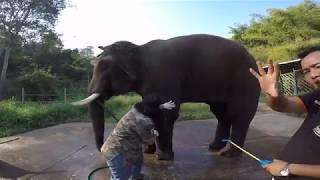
123	148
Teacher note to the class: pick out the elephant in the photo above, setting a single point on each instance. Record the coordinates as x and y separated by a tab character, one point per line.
199	68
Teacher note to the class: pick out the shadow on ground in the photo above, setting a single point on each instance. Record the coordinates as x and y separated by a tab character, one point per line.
9	171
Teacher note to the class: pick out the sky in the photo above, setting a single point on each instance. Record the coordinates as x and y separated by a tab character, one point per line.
102	22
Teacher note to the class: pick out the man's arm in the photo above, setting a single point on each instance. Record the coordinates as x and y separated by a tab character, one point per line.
305	170
269	85
282	103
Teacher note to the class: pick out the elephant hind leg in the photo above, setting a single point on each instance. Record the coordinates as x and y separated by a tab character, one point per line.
241	112
241	120
223	127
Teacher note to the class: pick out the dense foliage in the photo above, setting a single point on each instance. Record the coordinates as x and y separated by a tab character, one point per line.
282	32
31	52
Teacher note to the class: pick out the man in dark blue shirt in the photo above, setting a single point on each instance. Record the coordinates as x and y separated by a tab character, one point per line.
300	159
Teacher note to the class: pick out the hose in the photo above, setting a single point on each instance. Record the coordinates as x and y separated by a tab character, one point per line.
95	170
104	167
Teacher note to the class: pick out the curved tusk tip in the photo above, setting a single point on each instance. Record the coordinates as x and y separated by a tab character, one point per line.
86	100
78	103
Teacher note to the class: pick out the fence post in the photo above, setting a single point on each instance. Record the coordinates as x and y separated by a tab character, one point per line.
88	78
295	84
22	94
281	89
65	95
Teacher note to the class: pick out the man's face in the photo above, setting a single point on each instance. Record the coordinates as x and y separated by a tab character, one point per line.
311	69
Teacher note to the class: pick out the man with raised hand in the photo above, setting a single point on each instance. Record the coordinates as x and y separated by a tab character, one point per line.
300	159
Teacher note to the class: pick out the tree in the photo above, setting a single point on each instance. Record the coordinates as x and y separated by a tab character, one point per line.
22	21
87	52
281	32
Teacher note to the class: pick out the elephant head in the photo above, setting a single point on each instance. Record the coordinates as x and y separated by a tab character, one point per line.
115	72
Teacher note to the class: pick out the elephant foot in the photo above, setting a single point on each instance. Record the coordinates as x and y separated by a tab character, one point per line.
215	147
165	156
221	151
228	151
150	149
232	153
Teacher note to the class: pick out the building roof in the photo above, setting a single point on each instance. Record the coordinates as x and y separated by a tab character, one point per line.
288	66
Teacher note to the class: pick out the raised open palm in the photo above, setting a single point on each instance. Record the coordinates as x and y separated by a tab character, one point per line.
268	80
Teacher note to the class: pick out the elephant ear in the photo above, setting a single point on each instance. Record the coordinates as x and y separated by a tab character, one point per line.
129	67
120	81
93	62
122	54
128	62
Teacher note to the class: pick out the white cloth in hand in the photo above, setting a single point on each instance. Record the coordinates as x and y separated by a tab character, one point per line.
154	132
168	105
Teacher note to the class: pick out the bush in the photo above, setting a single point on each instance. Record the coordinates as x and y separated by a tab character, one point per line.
41	81
282	53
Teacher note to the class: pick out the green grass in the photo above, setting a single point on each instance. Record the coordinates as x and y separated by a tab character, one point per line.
192	111
17	117
119	106
189	111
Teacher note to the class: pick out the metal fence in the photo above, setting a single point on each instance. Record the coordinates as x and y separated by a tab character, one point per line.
64	94
42	97
292	83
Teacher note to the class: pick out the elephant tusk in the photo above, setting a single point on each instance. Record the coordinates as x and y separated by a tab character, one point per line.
86	100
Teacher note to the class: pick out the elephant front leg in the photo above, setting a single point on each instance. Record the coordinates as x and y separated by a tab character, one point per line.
164	141
151	149
164	144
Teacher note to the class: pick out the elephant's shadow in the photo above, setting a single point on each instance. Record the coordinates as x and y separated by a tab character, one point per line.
9	171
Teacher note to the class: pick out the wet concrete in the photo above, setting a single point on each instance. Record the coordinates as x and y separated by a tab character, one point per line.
68	152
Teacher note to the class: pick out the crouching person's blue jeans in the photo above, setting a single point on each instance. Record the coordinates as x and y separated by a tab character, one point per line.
120	170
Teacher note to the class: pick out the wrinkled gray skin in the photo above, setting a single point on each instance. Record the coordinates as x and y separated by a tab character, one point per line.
194	68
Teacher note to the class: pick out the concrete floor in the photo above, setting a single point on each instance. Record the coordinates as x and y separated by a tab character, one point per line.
67	152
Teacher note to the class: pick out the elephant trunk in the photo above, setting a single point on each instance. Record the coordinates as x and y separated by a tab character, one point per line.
96	114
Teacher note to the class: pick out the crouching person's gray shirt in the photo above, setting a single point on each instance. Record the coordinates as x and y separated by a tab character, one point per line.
132	131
